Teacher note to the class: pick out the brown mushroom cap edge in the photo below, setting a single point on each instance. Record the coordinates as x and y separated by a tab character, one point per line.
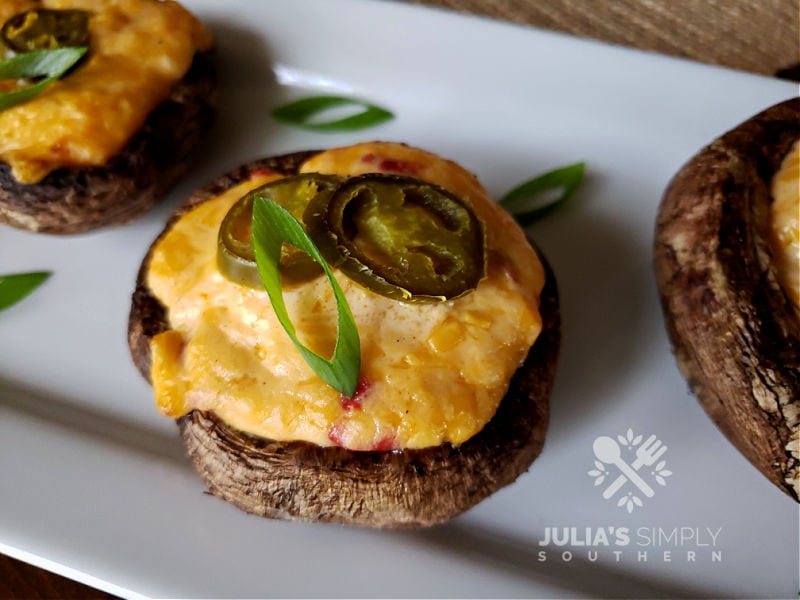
734	331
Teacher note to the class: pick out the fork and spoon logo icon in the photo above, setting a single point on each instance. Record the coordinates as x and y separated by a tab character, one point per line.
609	452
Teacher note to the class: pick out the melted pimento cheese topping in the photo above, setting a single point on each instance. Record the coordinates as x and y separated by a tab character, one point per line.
431	373
138	50
785	213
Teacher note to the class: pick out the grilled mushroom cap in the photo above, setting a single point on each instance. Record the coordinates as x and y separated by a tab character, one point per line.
81	199
411	488
735	333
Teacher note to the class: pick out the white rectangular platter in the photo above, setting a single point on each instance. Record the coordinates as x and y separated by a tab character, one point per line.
94	484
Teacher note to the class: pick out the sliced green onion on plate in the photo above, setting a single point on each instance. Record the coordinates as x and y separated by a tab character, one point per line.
304	113
536	197
14	288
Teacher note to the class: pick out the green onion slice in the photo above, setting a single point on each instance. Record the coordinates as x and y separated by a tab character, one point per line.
528	202
273	226
14	288
50	64
301	113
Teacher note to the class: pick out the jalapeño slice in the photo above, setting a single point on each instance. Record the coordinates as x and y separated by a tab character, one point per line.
400	237
235	256
44	29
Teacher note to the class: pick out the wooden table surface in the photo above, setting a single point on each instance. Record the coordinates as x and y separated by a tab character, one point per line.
760	36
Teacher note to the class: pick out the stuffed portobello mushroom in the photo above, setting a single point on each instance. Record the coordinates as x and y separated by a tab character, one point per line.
727	260
458	326
103	143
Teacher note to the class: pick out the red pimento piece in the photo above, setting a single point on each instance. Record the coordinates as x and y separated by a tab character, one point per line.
262	172
355	402
350	403
392	165
384	444
335	434
498	262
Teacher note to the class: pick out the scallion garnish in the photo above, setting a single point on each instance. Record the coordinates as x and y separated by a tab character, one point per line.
50	64
529	201
14	288
273	226
301	113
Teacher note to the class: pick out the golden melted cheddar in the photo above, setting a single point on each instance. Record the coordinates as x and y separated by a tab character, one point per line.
431	373
139	49
785	213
